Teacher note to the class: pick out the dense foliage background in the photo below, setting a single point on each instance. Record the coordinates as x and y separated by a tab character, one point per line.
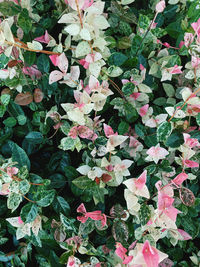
136	65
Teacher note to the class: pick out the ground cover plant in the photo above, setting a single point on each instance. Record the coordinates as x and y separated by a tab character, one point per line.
99	133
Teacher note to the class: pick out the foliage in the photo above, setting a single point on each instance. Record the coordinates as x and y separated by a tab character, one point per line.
99	133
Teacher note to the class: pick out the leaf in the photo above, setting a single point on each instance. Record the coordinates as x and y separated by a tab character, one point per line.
137	45
24	21
169	89
13	201
198	118
24	187
163	131
120	231
10	122
117	211
117	59
144	214
34	138
44	198
187	196
83	182
5	99
68	223
29	212
9	9
128	88
82	49
38	95
87	227
123	127
19	155
43	63
61	206
24	99
175	139
29	57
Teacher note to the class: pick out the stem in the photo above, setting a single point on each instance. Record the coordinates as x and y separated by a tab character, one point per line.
149	28
32	50
195	92
79	13
29	199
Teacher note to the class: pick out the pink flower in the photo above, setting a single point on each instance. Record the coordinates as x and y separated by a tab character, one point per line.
44	38
121	252
188	38
94	215
150	255
156	153
143	110
196	26
160	6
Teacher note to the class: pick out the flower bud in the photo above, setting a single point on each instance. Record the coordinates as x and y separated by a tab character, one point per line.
160	6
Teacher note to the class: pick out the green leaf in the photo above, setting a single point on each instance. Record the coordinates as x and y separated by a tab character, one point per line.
128	88
87	227
169	89
117	59
19	155
34	138
175	140
124	42
140	130
98	194
144	214
68	223
21	119
137	45
29	212
29	58
160	101
130	112
5	99
61	206
71	172
123	127
143	22
24	21
43	63
83	182
198	119
13	201
164	130
10	122
120	231
24	187
44	198
9	9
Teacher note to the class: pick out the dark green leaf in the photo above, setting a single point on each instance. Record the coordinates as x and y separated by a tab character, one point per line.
43	63
19	155
29	212
24	21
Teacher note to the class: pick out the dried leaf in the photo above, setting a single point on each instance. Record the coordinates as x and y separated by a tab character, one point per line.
24	99
186	196
38	95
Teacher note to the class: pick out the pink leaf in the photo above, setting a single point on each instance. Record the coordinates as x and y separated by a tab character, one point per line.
184	234
180	178
160	6
191	163
108	130
127	259
141	180
63	63
120	250
143	110
54	59
150	255
94	215
81	209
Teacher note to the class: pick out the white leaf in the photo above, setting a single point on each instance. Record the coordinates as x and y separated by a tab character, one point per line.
85	34
82	49
55	76
72	29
